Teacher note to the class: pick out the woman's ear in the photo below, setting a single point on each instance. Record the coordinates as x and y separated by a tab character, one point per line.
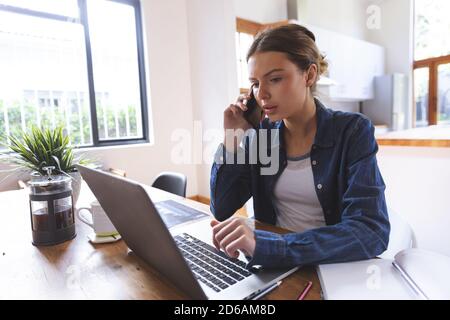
311	75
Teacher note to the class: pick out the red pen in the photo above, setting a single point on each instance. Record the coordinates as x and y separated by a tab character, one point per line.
305	291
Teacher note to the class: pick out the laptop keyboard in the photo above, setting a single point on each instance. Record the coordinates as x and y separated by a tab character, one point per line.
212	267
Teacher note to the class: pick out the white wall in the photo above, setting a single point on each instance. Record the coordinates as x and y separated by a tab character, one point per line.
262	11
213	75
170	98
343	16
396	36
417	188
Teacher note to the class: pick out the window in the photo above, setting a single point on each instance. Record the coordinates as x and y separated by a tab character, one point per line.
245	33
73	63
431	62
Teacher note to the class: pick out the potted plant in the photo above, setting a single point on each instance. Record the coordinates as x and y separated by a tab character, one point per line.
42	148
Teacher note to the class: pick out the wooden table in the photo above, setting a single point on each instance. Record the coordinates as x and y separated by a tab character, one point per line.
78	269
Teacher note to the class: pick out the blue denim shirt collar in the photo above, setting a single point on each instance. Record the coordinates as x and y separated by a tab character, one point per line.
325	135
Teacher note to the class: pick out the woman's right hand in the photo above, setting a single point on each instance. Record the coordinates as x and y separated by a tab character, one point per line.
233	116
233	119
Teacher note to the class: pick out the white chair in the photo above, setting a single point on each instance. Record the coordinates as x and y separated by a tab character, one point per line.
401	237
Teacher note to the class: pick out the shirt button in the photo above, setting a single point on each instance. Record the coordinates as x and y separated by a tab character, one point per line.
314	162
319	186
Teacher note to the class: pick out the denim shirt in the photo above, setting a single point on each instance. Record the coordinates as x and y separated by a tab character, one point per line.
347	181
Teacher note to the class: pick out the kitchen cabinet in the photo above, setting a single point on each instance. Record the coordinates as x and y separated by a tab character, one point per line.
353	65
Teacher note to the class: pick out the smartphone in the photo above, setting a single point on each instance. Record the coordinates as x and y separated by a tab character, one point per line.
254	113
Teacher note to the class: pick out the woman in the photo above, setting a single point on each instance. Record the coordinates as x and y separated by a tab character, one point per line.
328	188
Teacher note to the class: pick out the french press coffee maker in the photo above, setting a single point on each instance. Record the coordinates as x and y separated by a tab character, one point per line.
52	218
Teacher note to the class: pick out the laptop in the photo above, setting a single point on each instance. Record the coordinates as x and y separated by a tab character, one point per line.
184	254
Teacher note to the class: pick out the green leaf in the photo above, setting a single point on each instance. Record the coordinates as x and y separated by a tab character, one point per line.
43	147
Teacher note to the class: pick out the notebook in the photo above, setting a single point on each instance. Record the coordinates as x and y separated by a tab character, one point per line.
413	274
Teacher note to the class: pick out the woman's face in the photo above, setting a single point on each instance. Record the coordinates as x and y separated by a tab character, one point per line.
278	84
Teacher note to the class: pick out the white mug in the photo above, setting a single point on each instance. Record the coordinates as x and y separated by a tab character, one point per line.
98	219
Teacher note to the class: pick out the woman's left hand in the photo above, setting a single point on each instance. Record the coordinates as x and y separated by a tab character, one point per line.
232	235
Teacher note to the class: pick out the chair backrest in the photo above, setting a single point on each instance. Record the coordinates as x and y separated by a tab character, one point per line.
172	182
401	237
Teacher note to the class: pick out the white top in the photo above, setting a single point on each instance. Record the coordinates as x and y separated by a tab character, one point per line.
295	199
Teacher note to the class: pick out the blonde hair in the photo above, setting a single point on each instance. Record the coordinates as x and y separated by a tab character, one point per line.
297	42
